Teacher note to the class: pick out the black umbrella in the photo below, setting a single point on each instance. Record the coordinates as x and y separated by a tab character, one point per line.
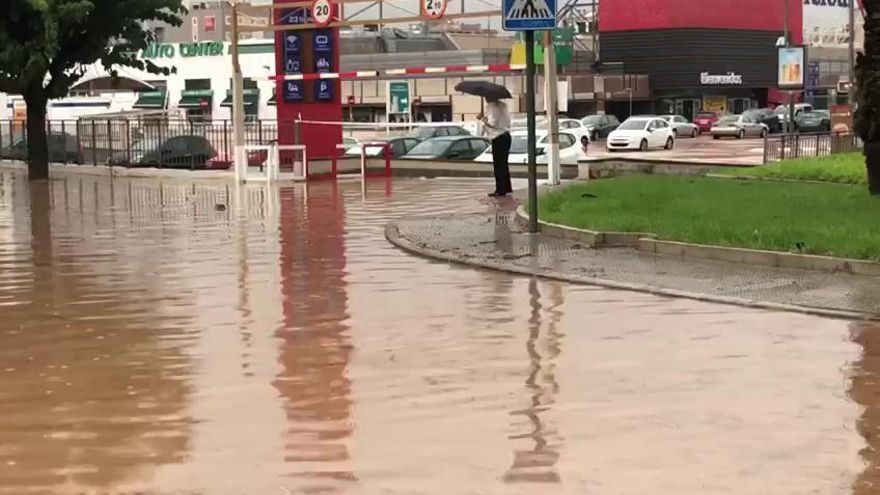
485	89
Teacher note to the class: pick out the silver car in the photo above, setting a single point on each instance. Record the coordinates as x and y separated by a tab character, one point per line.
739	126
681	126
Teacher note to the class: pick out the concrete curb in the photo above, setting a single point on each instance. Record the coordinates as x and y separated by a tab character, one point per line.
392	234
648	243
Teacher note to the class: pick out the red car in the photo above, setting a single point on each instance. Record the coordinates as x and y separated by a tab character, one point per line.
705	120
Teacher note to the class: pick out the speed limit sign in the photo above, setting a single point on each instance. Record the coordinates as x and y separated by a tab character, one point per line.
322	12
434	9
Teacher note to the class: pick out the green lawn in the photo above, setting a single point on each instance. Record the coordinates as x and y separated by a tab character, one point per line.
829	219
844	169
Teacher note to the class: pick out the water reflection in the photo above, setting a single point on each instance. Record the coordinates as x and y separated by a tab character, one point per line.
316	346
538	462
865	390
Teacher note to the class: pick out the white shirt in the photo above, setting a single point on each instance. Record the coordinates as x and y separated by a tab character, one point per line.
497	120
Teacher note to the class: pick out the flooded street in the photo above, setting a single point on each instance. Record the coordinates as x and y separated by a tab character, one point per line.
179	338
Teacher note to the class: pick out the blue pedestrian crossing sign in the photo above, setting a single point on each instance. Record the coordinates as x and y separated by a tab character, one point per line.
529	15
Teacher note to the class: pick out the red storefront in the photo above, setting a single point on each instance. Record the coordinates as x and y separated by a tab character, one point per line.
699	56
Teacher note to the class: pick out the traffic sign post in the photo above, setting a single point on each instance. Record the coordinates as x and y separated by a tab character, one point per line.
434	9
530	16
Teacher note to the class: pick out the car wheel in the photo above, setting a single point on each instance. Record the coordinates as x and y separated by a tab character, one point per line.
643	146
695	133
741	135
670	143
716	136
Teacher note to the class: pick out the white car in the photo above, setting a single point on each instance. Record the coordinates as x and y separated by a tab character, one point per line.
570	149
739	126
681	126
641	133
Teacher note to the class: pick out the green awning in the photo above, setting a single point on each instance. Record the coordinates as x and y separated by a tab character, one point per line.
250	99
151	100
197	98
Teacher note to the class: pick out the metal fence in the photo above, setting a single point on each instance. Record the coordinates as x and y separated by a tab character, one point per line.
142	142
778	147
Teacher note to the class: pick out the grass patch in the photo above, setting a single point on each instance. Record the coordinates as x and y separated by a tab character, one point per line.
826	219
848	168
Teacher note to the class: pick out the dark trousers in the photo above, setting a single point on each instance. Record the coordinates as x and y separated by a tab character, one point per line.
500	157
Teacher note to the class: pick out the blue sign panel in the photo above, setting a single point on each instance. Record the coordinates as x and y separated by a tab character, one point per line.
323	62
298	15
324	90
814	76
292	63
529	15
322	40
292	42
294	91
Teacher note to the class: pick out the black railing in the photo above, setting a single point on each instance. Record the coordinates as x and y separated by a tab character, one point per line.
778	147
143	143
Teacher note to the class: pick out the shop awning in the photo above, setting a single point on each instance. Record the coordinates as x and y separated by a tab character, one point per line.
151	100
196	98
251	98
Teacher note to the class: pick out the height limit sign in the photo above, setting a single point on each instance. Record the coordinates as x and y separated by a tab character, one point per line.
434	9
529	15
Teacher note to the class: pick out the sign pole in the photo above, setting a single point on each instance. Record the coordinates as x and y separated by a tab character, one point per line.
551	91
530	124
238	156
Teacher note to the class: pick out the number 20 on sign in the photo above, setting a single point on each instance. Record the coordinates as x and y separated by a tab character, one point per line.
322	12
434	9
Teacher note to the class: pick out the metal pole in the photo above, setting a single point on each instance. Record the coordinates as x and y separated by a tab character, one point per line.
551	97
852	50
530	124
237	103
790	93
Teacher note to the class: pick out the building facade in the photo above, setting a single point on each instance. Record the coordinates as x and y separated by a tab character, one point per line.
722	58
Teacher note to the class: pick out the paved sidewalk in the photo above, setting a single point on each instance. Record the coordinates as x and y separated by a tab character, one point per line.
494	240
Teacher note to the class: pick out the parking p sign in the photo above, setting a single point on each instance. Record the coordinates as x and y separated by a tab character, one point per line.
529	15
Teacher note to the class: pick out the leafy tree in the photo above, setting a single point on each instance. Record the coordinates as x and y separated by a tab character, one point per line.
867	117
45	46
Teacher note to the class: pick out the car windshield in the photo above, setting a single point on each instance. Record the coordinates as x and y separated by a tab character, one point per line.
423	132
706	115
729	120
592	119
667	118
633	125
432	147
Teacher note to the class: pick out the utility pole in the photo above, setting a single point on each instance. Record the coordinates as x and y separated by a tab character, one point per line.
239	158
530	125
790	93
852	52
551	99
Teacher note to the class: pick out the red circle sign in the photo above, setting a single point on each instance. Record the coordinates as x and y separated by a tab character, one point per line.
434	9
322	12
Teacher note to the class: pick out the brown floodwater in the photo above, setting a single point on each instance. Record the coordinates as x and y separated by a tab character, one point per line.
179	338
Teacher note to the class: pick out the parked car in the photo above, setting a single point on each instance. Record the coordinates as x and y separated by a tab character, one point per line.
767	117
63	148
705	120
783	112
570	150
400	145
600	126
641	133
431	132
188	151
519	121
681	126
449	148
349	141
738	126
815	121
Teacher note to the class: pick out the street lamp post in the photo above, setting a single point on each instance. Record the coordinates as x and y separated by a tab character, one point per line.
787	36
852	51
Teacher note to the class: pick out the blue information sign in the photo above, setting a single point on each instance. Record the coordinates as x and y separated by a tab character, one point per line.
322	40
324	90
323	62
292	63
298	15
292	42
529	15
294	91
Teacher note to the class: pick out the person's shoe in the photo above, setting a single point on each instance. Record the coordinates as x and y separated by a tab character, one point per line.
497	195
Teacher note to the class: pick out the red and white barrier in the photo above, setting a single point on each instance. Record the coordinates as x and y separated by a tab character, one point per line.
371	74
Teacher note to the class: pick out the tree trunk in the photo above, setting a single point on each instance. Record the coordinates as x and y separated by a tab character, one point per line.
872	161
37	142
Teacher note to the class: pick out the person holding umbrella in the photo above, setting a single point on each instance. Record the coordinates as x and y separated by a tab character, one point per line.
496	127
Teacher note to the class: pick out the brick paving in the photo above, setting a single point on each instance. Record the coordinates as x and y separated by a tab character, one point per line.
493	239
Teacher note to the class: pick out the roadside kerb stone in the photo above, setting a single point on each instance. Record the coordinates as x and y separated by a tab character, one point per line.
649	243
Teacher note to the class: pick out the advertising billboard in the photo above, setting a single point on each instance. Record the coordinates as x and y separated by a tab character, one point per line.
826	22
791	67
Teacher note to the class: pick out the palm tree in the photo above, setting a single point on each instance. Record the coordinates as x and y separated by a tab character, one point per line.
867	117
